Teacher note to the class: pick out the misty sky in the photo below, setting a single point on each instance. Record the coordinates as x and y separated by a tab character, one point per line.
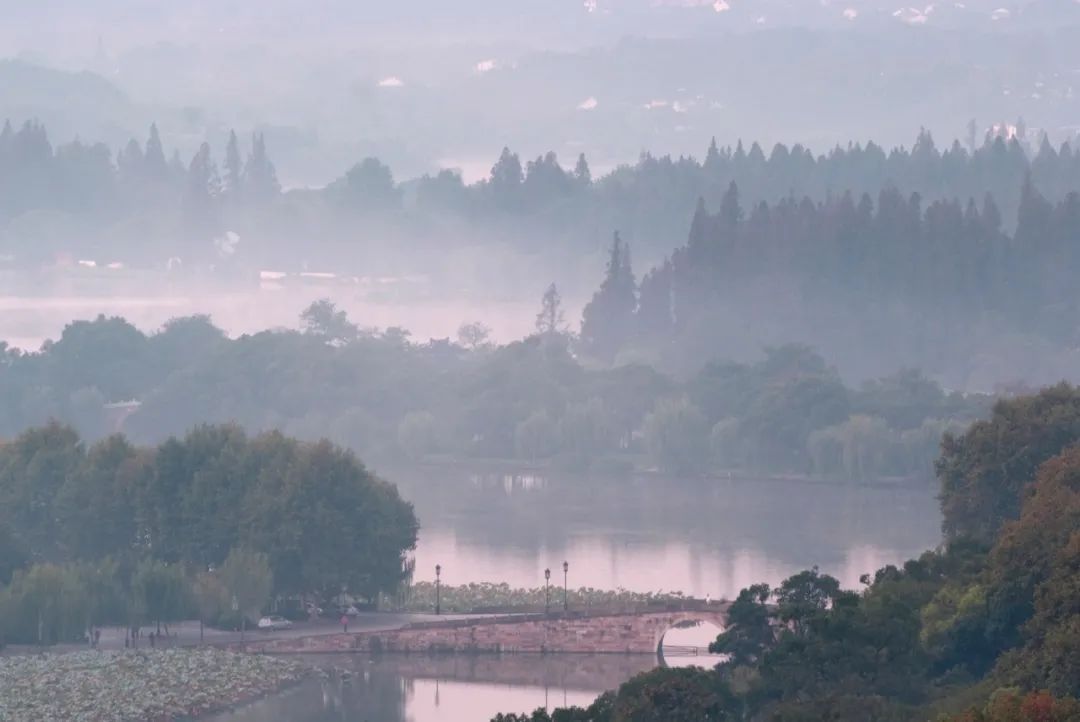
430	84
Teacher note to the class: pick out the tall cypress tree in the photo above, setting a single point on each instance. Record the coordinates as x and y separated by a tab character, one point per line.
260	178
582	174
233	167
154	158
201	192
607	321
655	313
131	163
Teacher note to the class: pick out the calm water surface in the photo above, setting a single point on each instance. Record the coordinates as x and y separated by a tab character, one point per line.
653	533
442	688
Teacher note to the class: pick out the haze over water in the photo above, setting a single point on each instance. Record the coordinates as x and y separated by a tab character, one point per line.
659	533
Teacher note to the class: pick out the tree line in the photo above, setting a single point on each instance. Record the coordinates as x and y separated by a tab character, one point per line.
878	278
144	205
535	401
110	532
984	629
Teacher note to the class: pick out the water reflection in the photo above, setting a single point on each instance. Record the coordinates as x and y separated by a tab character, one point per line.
462	688
508	483
647	534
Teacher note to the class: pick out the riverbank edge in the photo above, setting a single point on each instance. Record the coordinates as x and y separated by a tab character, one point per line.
249	700
386	467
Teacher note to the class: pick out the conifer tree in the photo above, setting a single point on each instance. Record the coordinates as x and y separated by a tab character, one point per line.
581	171
130	162
712	158
608	319
201	192
154	157
655	317
260	178
233	167
506	179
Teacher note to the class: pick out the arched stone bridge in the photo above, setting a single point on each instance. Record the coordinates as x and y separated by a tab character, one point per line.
574	632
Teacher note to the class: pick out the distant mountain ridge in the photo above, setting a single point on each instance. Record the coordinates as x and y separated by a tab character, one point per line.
69	103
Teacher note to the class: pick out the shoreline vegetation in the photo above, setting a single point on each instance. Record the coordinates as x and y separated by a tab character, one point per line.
630	466
137	686
536	401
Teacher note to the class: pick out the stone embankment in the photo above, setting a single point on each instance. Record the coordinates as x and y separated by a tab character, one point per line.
578	633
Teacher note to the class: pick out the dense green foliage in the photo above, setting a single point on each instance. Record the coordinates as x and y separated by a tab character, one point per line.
115	533
932	637
984	472
531	400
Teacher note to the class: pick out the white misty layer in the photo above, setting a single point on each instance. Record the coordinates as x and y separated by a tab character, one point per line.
392	82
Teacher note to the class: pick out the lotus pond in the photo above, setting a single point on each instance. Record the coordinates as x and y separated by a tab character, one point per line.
486	596
136	686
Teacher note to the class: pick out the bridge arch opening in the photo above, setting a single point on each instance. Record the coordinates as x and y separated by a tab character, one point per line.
685	643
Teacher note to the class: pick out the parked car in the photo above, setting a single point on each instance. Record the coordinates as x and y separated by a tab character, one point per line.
350	611
273	622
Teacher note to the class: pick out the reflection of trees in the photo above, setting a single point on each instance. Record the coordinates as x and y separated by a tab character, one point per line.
382	688
797	523
370	692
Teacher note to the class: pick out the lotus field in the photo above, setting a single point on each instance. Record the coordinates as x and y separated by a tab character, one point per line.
135	686
486	596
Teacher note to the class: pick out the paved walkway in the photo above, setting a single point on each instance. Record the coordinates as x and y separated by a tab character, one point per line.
186	634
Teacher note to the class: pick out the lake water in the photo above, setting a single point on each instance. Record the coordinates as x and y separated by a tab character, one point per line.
640	533
442	688
654	533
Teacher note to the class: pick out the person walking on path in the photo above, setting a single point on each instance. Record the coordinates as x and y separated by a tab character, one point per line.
345	622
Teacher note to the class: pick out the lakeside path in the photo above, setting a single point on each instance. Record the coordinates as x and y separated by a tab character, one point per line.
186	634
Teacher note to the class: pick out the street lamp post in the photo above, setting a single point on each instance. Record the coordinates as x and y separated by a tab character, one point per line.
565	598
438	589
547	591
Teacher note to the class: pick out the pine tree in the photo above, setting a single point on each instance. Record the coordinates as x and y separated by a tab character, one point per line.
5	136
608	319
655	317
730	211
154	157
233	166
177	171
131	163
260	179
712	158
201	192
699	232
506	179
582	174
